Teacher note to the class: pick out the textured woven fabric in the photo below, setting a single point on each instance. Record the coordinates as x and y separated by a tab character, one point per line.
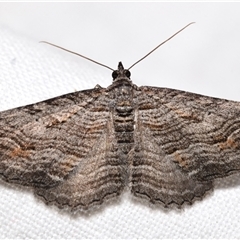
31	72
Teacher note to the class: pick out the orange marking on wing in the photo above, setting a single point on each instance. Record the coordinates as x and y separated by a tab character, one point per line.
180	160
230	143
19	152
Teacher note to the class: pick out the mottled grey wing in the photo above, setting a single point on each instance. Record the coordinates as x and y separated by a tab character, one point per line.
183	142
62	148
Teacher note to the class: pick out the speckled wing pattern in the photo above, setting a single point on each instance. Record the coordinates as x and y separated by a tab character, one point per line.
184	142
78	150
62	148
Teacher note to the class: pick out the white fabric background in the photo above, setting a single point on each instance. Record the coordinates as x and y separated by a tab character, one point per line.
203	59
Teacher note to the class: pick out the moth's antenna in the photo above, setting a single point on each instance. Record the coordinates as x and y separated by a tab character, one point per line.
161	44
103	65
77	54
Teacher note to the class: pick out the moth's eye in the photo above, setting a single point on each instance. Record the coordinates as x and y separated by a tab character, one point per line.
127	73
115	74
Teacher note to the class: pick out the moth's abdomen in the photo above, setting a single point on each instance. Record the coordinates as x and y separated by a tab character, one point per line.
124	127
123	118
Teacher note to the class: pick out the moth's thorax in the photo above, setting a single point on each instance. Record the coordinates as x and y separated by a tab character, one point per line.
121	93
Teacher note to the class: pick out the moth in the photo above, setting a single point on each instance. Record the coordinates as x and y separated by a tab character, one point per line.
81	149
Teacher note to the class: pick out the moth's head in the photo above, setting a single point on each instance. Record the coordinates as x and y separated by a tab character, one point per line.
121	73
